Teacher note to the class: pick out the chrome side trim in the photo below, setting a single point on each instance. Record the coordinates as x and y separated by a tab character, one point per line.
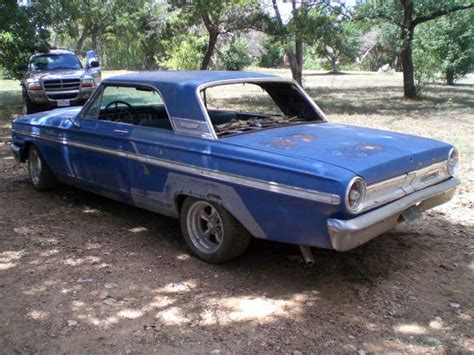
283	189
394	188
348	234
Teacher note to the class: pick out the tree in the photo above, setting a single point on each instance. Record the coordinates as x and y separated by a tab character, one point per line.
235	56
218	17
23	30
338	45
308	23
448	41
407	15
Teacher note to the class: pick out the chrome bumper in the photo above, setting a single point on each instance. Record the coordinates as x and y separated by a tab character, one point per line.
348	234
41	97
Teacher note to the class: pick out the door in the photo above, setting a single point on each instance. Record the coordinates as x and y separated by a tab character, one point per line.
98	146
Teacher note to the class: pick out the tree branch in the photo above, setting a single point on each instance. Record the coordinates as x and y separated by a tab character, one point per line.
440	13
277	12
376	16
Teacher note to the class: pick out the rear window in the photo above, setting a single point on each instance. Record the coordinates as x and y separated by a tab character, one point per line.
246	107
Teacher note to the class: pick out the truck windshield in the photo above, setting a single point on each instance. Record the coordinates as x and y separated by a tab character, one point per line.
55	61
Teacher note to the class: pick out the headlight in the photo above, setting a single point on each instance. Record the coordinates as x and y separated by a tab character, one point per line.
87	83
453	162
34	85
355	195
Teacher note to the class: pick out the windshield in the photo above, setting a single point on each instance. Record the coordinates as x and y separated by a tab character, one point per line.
55	61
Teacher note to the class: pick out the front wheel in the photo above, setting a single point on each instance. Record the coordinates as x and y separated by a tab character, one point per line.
28	106
211	232
40	174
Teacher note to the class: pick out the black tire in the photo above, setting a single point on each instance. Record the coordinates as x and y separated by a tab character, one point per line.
28	106
40	174
234	239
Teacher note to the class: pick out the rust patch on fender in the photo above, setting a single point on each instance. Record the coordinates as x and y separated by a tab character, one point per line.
282	142
305	137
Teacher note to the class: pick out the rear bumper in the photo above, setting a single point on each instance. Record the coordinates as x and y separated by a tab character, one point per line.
348	234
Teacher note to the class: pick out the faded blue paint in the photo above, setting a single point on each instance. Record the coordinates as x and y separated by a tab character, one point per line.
321	156
374	154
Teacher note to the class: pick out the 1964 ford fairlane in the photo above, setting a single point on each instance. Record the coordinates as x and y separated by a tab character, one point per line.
267	164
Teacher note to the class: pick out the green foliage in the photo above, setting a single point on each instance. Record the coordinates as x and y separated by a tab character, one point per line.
272	55
218	17
311	61
445	45
22	31
185	51
338	45
234	56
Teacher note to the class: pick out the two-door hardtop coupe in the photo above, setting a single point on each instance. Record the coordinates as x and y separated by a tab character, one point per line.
153	140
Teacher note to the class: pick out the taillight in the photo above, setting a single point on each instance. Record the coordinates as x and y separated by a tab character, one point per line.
453	162
355	195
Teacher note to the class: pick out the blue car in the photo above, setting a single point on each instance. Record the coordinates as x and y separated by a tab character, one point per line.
236	155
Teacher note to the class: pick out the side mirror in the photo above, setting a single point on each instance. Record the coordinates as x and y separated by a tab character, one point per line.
22	67
93	64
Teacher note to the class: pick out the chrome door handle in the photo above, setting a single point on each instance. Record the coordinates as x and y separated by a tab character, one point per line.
119	131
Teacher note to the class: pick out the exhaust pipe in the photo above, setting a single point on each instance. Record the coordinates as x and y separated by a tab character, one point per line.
307	255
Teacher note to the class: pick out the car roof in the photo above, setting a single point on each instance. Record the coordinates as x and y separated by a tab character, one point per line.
185	78
178	89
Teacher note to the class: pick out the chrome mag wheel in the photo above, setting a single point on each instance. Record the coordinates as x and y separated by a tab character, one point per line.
34	165
205	226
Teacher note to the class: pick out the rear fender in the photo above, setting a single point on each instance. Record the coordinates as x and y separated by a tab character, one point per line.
225	195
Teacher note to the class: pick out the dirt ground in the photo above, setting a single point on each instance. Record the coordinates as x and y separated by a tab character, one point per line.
81	274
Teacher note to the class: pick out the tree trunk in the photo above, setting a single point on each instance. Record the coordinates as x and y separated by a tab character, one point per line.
335	69
332	58
209	51
80	41
297	68
213	34
94	40
408	29
407	66
450	77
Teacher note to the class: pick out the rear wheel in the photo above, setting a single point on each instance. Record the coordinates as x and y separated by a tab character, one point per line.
211	232
40	174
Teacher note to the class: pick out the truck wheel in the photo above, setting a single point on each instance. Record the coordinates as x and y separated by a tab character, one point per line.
211	232
40	174
28	106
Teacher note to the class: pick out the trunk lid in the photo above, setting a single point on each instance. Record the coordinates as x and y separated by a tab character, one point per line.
374	154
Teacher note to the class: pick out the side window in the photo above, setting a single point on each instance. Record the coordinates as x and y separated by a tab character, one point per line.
141	106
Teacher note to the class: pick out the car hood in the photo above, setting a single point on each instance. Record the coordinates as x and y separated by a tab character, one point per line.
57	74
373	154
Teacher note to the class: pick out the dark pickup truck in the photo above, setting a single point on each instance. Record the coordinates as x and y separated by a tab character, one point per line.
58	79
